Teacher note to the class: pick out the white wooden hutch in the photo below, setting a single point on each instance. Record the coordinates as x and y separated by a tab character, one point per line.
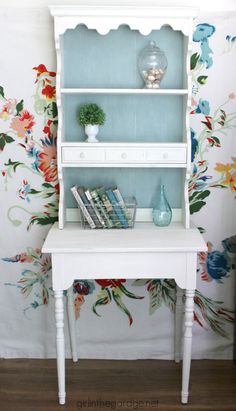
146	140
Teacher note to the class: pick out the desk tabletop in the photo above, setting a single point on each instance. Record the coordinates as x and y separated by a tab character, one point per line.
144	237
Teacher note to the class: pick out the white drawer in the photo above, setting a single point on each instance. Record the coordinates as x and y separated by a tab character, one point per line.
125	155
166	155
82	155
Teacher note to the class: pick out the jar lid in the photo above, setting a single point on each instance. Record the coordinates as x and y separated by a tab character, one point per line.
151	47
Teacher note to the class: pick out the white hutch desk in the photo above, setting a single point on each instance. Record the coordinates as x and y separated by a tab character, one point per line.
143	252
164	144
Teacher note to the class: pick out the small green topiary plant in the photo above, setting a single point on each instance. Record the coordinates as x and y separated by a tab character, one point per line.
91	114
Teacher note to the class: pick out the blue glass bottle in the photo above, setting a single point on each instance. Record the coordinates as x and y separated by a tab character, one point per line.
162	213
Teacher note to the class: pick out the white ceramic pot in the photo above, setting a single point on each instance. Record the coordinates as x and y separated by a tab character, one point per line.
91	130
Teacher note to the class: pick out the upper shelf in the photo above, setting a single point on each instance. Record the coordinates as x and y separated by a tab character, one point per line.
178	92
91	61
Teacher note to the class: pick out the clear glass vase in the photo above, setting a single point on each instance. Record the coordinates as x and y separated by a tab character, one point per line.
162	213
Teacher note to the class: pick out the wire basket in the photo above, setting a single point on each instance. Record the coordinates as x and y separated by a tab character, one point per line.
109	215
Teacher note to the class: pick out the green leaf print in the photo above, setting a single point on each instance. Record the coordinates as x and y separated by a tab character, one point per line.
117	296
199	195
51	110
195	207
4	139
19	107
194	60
104	297
13	164
202	79
1	91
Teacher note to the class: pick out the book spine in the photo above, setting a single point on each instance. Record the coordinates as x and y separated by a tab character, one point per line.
84	210
88	206
101	208
118	210
109	208
122	205
96	211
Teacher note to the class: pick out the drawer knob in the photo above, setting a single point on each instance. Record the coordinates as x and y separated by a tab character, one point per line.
165	155
82	155
124	156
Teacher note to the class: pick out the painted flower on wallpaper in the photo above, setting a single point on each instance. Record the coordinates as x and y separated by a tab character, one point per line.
22	124
33	152
161	292
42	71
231	41
194	145
47	159
110	283
50	129
201	34
44	98
209	313
230	181
49	92
198	186
203	107
228	174
24	191
7	108
232	96
34	279
201	61
81	289
114	290
215	265
25	257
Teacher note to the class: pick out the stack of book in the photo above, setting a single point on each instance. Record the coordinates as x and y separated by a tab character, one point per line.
104	207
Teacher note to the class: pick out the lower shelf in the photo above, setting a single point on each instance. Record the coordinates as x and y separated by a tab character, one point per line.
142	215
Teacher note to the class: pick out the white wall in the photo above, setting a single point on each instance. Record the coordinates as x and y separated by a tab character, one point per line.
205	5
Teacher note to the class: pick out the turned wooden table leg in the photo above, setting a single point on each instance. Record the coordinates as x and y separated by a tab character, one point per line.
72	326
178	323
188	323
59	314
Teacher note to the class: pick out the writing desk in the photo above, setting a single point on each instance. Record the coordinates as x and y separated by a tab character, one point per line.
146	251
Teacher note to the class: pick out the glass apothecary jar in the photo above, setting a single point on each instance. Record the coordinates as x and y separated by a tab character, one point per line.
152	64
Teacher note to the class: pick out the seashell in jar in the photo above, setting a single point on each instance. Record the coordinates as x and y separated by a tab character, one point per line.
145	73
152	71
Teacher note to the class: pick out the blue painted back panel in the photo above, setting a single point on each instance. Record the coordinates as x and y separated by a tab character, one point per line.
129	118
141	183
94	60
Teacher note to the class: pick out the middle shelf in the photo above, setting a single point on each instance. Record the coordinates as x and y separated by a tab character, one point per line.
153	118
124	155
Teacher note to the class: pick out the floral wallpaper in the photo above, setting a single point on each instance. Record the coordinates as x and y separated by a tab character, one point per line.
28	152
